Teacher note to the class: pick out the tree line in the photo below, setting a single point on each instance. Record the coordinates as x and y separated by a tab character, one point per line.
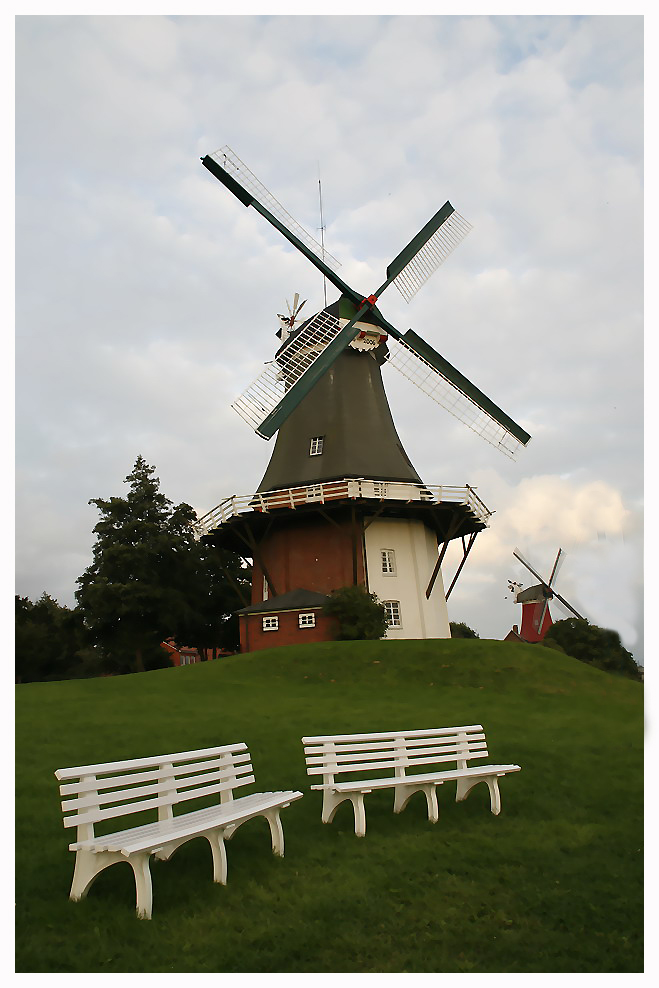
150	579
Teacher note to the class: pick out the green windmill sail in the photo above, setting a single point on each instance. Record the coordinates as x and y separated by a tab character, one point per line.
309	353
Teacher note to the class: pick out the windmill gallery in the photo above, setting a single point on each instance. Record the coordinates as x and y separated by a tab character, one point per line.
340	502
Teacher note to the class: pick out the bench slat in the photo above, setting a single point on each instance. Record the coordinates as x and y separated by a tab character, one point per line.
137	763
434	732
387	745
112	782
94	816
169	785
441	752
401	763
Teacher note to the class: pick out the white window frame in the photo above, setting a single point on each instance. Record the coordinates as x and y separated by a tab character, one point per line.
271	623
388	562
306	620
316	444
390	606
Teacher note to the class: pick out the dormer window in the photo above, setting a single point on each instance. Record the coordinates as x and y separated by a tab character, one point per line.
316	446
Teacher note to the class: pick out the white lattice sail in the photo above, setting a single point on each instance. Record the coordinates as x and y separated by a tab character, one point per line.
279	375
433	383
433	253
232	164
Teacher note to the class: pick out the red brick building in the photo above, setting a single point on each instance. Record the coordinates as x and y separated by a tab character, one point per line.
290	619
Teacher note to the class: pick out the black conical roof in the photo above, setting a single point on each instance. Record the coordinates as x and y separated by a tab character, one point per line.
348	407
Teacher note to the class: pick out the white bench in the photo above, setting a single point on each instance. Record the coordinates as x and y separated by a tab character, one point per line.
369	762
115	789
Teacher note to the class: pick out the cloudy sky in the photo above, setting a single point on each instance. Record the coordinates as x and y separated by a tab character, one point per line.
146	295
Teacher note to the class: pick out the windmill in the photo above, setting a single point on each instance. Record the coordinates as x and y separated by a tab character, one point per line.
340	501
536	618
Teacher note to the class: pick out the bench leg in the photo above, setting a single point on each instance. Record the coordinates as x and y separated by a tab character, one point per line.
140	865
88	865
465	786
332	801
276	831
216	840
403	794
495	795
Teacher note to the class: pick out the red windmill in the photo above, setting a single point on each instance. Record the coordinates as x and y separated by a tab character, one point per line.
536	619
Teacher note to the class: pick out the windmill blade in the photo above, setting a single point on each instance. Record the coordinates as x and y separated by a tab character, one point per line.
569	606
554	573
227	167
517	554
425	252
542	616
279	376
437	378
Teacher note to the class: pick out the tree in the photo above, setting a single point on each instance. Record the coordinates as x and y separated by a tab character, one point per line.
150	578
600	647
359	614
220	584
50	640
461	630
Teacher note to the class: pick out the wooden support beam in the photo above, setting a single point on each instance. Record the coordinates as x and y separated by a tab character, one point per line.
452	530
464	559
250	541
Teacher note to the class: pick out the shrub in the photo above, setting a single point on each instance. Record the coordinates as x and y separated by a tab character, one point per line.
359	614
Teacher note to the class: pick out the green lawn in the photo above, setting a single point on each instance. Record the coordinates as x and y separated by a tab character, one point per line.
553	884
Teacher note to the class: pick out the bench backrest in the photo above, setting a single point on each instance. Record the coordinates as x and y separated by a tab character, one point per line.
115	789
399	752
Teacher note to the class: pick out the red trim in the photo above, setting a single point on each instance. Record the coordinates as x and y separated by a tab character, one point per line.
371	300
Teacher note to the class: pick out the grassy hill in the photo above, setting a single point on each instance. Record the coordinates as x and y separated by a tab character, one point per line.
554	884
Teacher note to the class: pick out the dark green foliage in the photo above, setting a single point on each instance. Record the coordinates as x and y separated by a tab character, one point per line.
461	630
150	579
600	647
50	641
359	614
554	884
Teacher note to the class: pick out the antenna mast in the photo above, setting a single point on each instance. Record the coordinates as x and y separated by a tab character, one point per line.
322	232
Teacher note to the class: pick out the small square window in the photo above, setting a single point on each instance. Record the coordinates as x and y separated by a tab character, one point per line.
392	613
388	557
271	624
316	446
306	620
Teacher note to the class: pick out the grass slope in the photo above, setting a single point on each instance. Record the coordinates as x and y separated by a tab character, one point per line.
554	884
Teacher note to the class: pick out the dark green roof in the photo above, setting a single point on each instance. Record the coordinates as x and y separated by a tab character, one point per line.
294	600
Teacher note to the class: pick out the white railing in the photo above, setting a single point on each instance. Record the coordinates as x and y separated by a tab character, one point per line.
337	490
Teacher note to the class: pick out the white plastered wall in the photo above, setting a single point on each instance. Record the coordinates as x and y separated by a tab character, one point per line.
415	551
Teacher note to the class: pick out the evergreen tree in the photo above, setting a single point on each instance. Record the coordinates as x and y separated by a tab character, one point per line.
150	579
